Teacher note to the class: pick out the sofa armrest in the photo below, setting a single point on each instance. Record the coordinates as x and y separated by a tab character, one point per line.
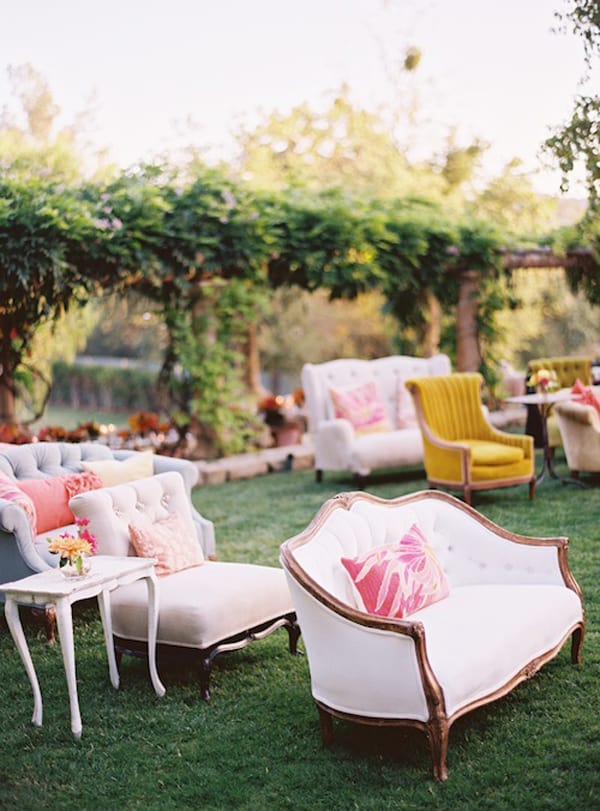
18	556
333	442
206	533
578	412
376	665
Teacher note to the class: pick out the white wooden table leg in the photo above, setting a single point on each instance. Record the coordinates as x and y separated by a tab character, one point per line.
106	617
152	583
64	621
11	611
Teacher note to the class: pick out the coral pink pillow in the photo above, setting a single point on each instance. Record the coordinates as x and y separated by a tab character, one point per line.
585	395
10	490
81	482
397	580
362	407
169	541
50	497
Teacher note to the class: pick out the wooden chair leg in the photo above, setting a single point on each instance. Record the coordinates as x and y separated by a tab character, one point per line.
437	733
576	644
205	668
532	489
326	722
48	616
293	630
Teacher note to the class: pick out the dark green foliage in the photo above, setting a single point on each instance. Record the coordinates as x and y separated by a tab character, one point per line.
105	388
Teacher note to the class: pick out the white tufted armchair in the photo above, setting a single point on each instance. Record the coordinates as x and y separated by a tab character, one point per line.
511	606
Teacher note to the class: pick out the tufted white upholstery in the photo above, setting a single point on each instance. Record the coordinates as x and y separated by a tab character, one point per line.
199	607
20	553
512	604
337	447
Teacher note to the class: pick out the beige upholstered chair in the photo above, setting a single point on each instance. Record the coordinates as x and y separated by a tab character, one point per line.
579	427
512	604
203	610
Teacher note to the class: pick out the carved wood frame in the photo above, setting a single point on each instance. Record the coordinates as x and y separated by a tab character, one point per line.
438	725
204	657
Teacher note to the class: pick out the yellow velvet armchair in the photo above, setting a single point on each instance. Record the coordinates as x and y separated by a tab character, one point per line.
568	370
462	451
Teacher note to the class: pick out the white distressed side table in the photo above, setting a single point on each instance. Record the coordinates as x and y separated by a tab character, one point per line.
52	588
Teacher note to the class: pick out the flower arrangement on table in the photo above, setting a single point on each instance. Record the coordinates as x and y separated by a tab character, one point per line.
74	549
544	380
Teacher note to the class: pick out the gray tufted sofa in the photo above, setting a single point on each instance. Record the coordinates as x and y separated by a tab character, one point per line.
21	554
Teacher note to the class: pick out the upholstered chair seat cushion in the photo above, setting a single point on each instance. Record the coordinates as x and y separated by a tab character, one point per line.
492	453
385	449
477	661
202	605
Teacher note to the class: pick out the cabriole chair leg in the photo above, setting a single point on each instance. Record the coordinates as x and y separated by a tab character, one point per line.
326	723
437	733
576	644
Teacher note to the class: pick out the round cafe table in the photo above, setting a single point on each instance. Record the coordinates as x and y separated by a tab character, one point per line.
544	401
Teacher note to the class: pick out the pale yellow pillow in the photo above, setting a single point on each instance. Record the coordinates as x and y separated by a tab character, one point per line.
113	471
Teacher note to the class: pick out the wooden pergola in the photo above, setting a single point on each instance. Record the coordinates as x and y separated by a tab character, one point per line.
468	356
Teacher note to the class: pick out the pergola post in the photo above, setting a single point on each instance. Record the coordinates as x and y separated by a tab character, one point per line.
468	355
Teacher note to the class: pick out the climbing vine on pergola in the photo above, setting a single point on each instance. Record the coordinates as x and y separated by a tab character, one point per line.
176	240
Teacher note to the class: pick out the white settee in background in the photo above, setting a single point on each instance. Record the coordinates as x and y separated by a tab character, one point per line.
338	446
507	606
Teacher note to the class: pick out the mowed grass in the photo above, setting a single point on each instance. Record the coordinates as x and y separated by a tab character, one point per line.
257	744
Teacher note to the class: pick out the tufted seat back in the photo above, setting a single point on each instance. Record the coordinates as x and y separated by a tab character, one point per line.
388	373
44	459
111	509
568	370
468	552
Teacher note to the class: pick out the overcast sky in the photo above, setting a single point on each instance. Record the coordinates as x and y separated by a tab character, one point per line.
491	69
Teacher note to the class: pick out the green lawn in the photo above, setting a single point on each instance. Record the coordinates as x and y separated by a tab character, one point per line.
257	745
70	417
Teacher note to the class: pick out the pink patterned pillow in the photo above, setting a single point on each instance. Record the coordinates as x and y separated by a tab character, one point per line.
362	407
81	482
169	541
10	490
585	395
397	580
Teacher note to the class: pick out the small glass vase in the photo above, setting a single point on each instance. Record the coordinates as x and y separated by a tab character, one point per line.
77	569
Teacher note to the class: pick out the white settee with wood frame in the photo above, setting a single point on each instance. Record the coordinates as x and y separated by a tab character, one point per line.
510	604
338	447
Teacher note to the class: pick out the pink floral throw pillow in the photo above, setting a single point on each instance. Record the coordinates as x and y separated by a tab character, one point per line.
362	407
169	541
10	490
584	395
398	579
